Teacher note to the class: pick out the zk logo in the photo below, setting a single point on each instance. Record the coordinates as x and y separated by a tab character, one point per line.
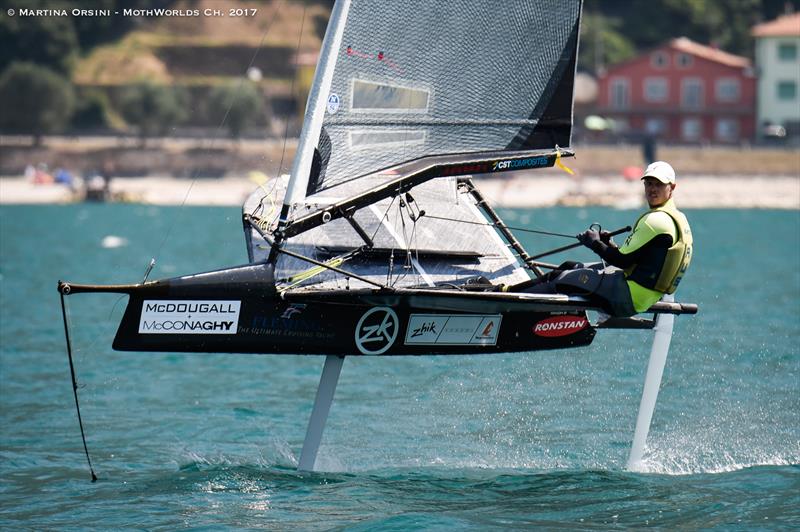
376	331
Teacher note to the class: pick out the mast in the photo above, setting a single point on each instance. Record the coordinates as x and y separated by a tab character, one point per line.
315	113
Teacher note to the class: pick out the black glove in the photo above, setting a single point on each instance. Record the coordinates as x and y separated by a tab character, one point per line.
606	238
589	238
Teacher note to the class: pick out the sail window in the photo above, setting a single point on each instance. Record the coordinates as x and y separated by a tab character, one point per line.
371	96
389	138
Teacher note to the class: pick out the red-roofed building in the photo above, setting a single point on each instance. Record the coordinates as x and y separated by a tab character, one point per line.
682	91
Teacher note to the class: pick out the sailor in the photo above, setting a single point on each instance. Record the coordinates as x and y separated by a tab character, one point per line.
650	263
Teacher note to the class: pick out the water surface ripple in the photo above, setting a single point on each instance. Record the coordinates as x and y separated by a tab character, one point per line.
481	442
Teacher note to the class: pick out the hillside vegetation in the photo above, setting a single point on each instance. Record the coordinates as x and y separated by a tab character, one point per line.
205	50
104	63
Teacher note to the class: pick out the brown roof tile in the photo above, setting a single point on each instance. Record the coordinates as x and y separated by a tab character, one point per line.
688	46
785	26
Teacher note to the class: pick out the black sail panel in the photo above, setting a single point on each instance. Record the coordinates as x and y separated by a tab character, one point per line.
423	78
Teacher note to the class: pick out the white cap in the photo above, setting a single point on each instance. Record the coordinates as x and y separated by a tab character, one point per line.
661	171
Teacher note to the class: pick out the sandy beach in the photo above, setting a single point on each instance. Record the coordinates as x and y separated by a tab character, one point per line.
520	190
161	174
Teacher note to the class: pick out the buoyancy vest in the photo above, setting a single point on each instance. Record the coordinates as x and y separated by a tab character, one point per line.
649	282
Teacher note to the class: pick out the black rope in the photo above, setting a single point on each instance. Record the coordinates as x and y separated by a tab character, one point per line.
493	225
75	383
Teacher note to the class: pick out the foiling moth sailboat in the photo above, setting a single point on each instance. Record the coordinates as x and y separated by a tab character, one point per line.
381	232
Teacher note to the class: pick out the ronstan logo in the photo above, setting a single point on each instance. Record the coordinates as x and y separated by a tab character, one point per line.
560	326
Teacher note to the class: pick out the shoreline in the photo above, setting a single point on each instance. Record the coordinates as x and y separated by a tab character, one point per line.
518	191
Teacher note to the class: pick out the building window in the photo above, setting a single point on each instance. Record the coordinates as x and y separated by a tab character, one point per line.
656	89
787	90
787	51
727	129
684	60
620	93
727	90
691	129
655	126
659	60
692	93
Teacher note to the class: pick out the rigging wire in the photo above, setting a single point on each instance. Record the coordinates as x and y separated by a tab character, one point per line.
416	248
264	221
494	201
406	265
219	128
412	242
384	217
296	60
412	257
378	228
522	229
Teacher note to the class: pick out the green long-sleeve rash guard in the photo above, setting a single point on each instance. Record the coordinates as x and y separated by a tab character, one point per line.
645	248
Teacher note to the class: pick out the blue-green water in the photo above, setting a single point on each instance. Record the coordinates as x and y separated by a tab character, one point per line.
510	441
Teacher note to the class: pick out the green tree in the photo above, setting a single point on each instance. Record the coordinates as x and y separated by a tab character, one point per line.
152	108
49	41
724	24
602	43
92	109
238	103
55	41
34	100
92	31
611	28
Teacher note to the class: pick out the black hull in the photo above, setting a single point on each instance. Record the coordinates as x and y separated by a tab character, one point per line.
238	311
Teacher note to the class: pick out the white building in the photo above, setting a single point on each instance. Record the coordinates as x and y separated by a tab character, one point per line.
778	62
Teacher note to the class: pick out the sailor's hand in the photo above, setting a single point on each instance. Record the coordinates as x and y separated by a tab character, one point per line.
588	238
605	237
